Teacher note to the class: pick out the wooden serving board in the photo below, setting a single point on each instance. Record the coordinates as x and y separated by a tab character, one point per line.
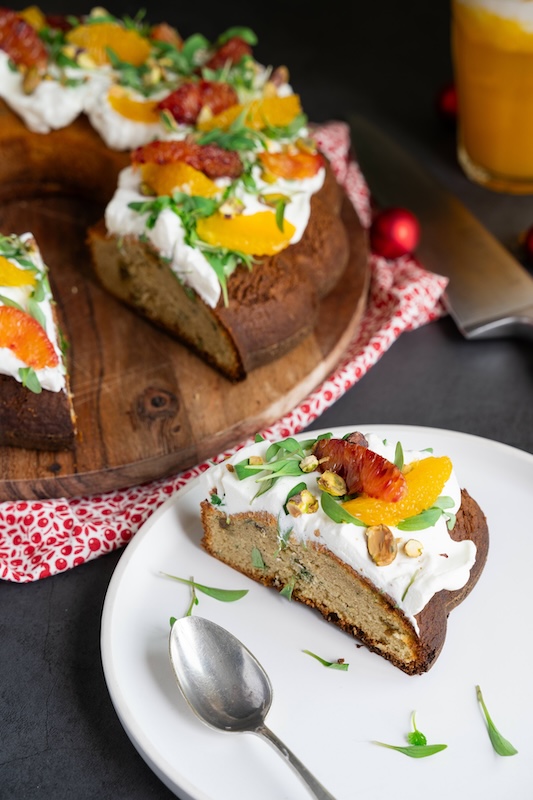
146	406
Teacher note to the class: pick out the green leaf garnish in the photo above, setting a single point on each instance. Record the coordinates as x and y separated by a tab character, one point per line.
288	588
224	595
340	664
29	379
215	499
415	750
417	747
257	559
501	745
424	520
398	456
430	516
336	512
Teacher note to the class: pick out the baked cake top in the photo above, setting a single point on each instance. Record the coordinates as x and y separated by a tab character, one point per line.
389	519
30	346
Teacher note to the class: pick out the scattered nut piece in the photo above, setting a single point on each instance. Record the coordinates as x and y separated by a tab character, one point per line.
205	115
280	76
271	200
256	461
382	546
309	463
332	483
31	80
357	438
230	467
232	207
413	548
302	503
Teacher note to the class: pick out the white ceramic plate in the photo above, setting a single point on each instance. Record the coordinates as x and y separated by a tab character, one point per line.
330	717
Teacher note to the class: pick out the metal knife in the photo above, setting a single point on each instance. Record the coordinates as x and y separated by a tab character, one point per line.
489	293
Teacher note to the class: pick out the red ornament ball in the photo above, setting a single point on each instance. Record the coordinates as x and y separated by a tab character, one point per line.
446	103
527	243
394	232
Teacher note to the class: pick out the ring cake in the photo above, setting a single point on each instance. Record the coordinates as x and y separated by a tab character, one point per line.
222	220
383	542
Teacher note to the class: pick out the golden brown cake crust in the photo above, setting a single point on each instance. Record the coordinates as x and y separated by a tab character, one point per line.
341	595
38	421
271	308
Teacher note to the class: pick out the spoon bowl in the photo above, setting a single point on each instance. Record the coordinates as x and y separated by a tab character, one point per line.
226	686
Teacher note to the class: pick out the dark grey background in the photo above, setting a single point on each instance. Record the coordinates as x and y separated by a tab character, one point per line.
59	735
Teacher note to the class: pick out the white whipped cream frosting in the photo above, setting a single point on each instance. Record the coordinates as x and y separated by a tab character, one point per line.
51	378
167	236
443	564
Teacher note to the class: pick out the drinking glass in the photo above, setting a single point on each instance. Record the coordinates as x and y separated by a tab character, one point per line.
492	48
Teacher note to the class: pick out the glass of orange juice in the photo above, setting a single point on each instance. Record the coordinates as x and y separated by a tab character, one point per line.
492	46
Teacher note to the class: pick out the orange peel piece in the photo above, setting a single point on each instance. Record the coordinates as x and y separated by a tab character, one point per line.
164	179
26	338
96	38
11	275
425	480
253	234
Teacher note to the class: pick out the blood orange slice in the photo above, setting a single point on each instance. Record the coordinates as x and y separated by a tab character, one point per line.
425	482
23	335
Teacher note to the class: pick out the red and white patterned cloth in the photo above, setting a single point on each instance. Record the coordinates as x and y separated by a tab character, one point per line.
42	538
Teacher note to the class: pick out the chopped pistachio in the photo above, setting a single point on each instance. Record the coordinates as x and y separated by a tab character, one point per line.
309	463
332	483
382	546
302	503
413	548
232	207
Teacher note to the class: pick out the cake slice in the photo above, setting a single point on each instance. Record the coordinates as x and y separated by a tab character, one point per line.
36	408
384	550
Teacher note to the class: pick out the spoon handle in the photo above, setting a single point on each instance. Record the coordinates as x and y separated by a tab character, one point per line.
316	788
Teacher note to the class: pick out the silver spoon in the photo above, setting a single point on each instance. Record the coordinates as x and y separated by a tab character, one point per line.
226	687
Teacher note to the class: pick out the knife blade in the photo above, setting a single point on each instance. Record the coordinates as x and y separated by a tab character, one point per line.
489	293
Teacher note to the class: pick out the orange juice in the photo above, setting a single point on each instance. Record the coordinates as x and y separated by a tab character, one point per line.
492	43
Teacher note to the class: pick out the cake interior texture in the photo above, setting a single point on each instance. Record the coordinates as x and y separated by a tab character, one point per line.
322	581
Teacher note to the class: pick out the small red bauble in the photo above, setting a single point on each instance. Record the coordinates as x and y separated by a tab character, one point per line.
527	243
446	103
394	232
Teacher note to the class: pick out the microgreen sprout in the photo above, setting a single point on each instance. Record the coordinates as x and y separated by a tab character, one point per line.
417	746
339	664
499	743
224	595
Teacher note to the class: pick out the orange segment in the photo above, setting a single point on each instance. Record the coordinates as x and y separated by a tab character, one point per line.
11	275
136	110
23	335
34	17
425	481
292	166
268	112
164	179
95	38
253	234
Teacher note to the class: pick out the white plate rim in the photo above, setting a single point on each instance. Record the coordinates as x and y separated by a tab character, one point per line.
142	743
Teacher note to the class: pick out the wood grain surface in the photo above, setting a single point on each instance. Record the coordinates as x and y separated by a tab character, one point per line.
146	406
